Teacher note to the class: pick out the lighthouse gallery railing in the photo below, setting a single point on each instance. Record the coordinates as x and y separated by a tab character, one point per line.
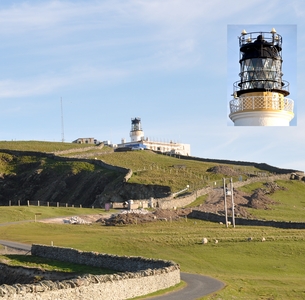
250	103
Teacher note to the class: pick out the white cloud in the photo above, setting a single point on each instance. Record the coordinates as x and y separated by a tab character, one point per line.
49	82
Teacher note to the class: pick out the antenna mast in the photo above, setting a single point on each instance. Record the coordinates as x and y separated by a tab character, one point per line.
62	122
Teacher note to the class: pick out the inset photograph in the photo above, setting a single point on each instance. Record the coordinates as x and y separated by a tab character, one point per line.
262	75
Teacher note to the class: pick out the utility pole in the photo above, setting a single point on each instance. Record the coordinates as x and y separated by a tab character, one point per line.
232	198
62	122
225	197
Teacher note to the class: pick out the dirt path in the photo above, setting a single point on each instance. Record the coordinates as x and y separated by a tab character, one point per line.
69	220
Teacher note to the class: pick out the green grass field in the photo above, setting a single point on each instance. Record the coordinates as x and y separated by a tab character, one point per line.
151	168
40	146
51	265
21	213
274	269
290	202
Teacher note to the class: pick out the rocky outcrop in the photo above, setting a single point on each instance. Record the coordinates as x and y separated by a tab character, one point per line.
54	180
126	191
52	186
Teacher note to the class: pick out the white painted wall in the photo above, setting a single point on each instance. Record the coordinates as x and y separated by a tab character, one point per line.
261	118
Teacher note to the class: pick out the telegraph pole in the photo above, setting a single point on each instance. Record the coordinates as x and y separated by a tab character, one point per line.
62	122
232	198
225	197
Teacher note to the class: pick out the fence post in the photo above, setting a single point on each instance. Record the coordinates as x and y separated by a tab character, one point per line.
38	203
80	206
10	203
18	202
48	204
66	204
57	203
28	201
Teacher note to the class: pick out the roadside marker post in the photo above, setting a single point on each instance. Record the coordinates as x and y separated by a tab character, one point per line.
37	214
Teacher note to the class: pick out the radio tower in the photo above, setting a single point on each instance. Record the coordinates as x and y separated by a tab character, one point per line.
62	122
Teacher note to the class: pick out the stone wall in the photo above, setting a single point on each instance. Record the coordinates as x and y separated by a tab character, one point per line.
261	166
140	276
77	150
207	216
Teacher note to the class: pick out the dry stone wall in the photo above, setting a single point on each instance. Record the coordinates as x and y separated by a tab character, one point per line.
170	202
261	166
138	276
208	216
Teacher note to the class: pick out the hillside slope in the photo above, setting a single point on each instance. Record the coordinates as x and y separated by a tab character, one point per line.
32	176
43	176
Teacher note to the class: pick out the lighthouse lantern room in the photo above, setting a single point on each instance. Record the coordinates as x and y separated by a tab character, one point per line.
260	94
136	132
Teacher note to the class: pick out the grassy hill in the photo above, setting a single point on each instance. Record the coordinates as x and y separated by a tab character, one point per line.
290	201
40	146
273	269
148	167
152	168
36	176
22	166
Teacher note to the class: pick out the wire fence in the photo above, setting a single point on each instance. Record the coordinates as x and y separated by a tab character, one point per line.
42	203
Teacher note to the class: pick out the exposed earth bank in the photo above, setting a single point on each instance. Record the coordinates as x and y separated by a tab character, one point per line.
215	204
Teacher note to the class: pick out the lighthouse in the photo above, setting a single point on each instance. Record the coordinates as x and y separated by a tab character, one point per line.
136	132
260	96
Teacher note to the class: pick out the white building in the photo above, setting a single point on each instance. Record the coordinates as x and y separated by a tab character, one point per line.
139	142
86	141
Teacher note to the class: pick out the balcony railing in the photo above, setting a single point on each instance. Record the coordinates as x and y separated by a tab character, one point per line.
269	37
267	85
250	103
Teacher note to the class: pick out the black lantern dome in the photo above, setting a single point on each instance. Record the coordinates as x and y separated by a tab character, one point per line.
260	63
136	124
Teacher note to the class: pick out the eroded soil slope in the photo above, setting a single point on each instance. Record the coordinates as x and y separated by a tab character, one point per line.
46	178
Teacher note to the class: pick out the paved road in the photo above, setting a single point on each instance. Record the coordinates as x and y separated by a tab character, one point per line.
15	245
197	285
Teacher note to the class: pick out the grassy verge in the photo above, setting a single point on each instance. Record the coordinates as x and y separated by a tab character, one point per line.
152	168
274	269
198	201
175	288
40	146
51	265
290	202
21	213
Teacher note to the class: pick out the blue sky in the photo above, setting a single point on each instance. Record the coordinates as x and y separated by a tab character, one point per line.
170	62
